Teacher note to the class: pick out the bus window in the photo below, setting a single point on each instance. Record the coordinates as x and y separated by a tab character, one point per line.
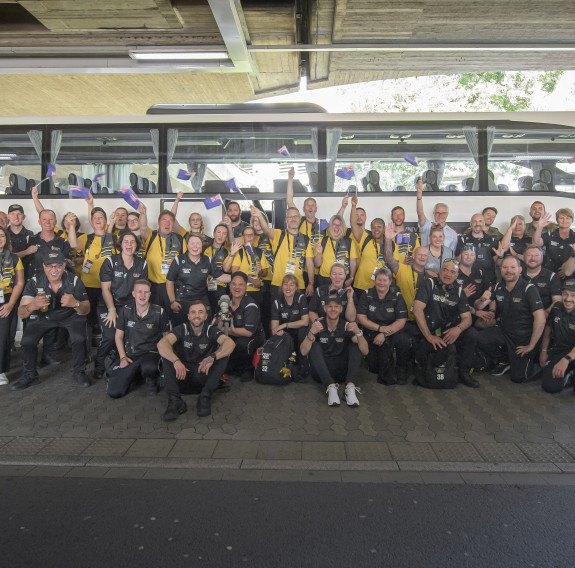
19	161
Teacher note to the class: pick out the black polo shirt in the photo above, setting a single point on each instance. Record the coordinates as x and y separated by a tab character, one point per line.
519	244
382	311
141	335
477	278
562	326
189	277
557	250
483	252
515	309
46	247
114	270
239	229
247	315
217	258
443	308
321	296
285	313
21	241
334	343
547	283
192	348
70	284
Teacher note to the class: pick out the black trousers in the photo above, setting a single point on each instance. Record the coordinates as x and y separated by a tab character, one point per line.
266	307
195	382
160	297
492	341
380	357
548	382
465	347
242	356
37	328
328	370
108	339
144	366
6	337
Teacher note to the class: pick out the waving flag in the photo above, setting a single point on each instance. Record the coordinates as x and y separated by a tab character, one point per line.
345	173
213	201
50	171
323	224
231	183
98	177
250	251
411	160
284	151
183	174
77	191
129	196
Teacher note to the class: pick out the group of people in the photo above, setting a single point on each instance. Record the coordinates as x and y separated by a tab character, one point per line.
195	307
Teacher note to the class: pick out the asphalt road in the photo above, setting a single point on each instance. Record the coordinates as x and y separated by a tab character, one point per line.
58	522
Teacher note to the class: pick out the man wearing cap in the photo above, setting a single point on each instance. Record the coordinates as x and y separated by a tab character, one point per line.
442	314
53	299
335	348
246	331
547	282
513	343
558	344
195	355
20	235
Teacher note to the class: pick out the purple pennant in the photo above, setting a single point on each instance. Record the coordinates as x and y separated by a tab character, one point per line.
129	197
411	160
51	170
283	151
98	177
213	201
345	173
77	191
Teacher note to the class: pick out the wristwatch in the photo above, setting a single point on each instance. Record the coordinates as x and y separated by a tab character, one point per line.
569	358
77	304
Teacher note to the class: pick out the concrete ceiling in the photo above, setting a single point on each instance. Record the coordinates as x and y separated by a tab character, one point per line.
71	57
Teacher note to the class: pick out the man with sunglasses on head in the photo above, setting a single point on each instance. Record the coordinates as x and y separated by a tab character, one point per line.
440	213
442	314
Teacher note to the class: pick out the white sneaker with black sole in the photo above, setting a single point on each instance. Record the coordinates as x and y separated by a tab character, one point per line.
500	369
350	396
332	395
3	379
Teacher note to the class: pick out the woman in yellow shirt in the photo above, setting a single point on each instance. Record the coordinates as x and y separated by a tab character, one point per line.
12	284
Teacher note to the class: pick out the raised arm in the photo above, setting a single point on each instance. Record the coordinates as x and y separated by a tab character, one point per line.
289	190
177	226
36	200
72	238
344	204
263	222
421	218
355	228
543	222
390	234
144	229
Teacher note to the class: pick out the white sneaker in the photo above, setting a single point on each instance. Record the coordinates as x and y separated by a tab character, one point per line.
332	396
350	396
3	379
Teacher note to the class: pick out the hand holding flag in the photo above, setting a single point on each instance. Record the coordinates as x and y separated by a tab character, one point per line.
50	172
129	197
231	184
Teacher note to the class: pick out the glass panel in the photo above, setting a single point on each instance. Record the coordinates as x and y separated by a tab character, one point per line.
380	157
124	157
19	163
248	153
534	160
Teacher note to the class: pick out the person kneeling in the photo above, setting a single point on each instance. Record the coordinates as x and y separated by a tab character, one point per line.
195	356
140	326
336	355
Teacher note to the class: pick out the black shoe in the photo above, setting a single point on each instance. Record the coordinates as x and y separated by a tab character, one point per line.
82	380
47	360
176	406
24	382
401	376
204	405
98	375
500	369
247	376
466	379
388	381
151	387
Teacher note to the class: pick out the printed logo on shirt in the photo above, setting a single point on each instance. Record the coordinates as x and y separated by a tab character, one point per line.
516	300
372	308
339	339
390	310
203	345
188	344
186	270
131	323
499	298
204	270
323	339
554	243
572	326
541	284
150	325
118	274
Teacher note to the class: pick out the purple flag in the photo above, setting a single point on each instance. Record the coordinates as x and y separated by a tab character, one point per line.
283	151
231	183
129	196
77	191
323	224
98	177
183	174
411	160
345	173
213	201
51	170
250	251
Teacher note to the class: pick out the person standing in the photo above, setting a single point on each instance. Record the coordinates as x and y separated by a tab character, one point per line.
440	214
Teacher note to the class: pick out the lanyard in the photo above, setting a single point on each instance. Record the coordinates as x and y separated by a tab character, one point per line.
168	248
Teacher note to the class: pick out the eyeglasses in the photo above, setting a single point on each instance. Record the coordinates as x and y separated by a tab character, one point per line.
440	213
292	217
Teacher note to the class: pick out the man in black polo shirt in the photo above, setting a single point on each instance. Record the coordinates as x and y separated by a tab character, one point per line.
20	235
139	328
558	344
47	241
335	348
558	243
51	300
547	282
485	247
512	343
247	331
195	355
442	315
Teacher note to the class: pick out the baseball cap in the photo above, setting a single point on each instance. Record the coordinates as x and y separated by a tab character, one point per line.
569	284
54	257
337	298
15	207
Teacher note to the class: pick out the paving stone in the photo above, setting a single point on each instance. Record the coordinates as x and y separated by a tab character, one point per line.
502	452
282	475
546	453
202	474
126	472
15	470
24	446
323	451
150	448
430	477
236	449
164	473
457	452
242	475
408	451
482	478
193	449
94	472
559	478
279	450
48	471
401	477
524	479
65	447
367	451
108	447
322	476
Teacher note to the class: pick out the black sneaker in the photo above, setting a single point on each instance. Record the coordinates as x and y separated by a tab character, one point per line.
466	379
204	407
82	380
401	376
151	387
176	406
500	369
47	360
24	382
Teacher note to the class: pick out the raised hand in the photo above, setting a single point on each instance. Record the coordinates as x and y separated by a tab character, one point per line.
469	290
291	173
390	232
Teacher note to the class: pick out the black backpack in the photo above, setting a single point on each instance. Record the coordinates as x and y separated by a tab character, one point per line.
275	366
440	370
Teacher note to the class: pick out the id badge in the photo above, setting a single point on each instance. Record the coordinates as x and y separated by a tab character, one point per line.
1	295
165	267
377	267
87	266
290	267
212	285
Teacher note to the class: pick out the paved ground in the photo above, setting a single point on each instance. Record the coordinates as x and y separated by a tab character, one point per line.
499	430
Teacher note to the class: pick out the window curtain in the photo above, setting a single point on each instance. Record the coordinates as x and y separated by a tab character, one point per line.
332	142
472	139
